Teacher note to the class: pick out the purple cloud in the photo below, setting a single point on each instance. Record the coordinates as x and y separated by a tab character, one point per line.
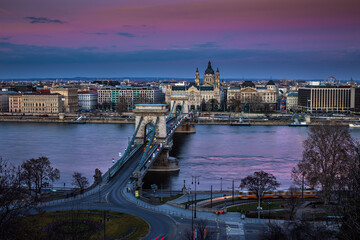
34	20
125	34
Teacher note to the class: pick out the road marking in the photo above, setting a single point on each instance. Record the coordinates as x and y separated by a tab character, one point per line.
106	197
234	228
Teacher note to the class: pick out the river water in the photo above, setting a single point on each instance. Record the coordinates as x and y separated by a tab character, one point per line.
216	154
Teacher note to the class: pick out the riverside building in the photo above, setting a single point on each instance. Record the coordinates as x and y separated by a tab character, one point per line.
257	97
88	100
70	97
292	101
128	96
43	103
4	100
327	98
15	103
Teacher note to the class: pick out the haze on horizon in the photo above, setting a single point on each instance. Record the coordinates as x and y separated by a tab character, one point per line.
299	39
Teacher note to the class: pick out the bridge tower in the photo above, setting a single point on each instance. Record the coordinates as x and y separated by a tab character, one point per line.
180	102
149	114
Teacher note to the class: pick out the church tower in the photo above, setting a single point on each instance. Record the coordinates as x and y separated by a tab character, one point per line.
197	79
217	81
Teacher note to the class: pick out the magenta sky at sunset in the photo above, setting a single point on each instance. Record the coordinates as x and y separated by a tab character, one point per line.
307	39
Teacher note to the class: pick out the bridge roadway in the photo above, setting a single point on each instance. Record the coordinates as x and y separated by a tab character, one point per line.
112	199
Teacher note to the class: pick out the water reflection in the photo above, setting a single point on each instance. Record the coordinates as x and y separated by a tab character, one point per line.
214	152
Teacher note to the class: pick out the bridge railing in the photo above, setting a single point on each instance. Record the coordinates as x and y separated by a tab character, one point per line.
130	150
150	158
182	107
133	137
150	143
173	128
172	108
122	161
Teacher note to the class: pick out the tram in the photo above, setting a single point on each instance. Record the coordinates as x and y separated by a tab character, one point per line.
273	194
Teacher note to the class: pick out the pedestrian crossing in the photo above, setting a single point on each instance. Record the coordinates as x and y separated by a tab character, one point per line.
234	230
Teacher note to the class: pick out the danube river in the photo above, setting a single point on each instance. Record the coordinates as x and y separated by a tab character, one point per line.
217	154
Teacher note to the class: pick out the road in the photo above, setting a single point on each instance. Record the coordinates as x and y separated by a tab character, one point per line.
111	198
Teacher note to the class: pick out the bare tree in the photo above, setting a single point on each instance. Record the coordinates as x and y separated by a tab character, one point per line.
120	107
328	157
274	232
123	105
347	211
292	201
203	232
14	202
212	105
37	173
235	103
255	101
203	105
259	182
302	229
80	181
105	105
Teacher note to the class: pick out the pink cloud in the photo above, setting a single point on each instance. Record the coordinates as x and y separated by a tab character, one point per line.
162	23
4	11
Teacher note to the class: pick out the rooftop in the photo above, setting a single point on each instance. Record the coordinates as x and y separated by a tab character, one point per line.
41	93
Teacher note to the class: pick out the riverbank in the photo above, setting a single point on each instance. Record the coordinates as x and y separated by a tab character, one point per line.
276	121
52	119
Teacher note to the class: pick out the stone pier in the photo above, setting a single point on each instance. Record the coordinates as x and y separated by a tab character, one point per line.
186	127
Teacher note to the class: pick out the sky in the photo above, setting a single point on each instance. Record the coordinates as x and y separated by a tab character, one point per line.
292	39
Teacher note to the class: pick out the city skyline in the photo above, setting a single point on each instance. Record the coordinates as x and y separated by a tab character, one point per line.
245	39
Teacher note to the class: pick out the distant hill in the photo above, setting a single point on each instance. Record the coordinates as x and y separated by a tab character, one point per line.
142	79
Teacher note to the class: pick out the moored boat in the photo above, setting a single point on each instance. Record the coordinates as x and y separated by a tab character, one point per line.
79	120
296	123
240	123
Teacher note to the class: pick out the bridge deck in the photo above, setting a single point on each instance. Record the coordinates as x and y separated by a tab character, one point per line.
150	151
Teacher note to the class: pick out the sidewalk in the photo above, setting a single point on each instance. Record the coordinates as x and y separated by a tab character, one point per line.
199	196
230	217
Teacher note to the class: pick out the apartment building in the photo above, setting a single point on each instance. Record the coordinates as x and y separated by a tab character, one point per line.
70	97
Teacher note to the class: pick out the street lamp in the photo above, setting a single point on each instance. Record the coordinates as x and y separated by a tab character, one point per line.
194	182
308	104
259	208
192	220
269	203
302	186
221	184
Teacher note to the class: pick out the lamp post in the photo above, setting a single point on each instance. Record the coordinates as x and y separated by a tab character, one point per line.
233	192
194	182
302	187
221	184
259	208
192	220
99	192
269	203
211	197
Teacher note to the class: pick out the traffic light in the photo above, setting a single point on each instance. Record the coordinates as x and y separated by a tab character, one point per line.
113	160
